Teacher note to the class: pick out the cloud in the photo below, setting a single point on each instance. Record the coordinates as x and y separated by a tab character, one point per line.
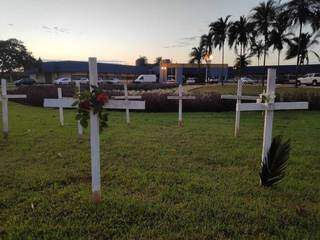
55	29
10	24
184	42
112	61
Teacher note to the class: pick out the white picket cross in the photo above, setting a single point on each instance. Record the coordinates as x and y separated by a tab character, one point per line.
239	97
80	128
94	137
5	115
126	98
61	116
94	125
180	98
269	109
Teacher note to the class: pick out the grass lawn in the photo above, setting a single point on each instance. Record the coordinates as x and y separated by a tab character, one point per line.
158	181
253	89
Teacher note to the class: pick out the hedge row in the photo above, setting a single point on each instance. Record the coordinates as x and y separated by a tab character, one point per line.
158	102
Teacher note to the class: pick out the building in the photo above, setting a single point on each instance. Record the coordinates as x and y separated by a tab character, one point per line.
77	69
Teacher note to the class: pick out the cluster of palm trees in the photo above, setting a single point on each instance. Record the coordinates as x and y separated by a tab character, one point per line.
293	25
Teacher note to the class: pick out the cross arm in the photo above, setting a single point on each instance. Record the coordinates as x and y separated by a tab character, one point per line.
275	106
129	97
234	97
181	98
55	103
122	104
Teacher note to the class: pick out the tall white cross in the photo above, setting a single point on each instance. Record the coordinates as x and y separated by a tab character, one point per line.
80	128
126	98
267	103
181	97
239	97
94	125
4	99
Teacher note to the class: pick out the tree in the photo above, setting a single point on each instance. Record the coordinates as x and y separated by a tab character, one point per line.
279	35
219	32
206	44
14	56
302	47
239	34
196	55
242	61
158	61
262	17
302	12
142	61
257	49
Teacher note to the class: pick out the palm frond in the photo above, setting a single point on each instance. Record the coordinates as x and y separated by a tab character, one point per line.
275	163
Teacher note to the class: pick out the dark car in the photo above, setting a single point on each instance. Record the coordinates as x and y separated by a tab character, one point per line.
24	81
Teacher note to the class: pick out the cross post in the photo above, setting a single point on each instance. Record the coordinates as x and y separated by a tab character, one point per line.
238	97
126	99
80	128
180	98
267	103
94	137
5	115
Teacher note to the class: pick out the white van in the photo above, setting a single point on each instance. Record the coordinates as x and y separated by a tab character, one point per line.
146	78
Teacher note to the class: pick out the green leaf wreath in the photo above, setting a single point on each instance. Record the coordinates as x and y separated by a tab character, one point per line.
92	101
275	163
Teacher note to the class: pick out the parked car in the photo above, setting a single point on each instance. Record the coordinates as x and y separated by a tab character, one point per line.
62	81
191	80
111	81
146	78
311	78
246	80
24	81
213	80
81	80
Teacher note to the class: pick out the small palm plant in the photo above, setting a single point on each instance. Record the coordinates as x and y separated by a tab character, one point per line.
275	163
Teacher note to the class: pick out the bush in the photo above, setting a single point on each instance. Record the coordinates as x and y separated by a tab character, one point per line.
158	102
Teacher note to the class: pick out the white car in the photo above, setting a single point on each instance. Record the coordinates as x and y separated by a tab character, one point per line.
191	80
62	81
146	78
82	80
246	80
311	78
112	81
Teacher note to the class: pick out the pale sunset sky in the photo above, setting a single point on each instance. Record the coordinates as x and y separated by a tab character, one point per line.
117	30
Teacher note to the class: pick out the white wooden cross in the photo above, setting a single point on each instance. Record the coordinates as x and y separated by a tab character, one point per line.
267	103
4	99
126	98
181	97
94	125
239	97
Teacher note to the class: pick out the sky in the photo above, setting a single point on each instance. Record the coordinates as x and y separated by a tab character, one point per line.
117	31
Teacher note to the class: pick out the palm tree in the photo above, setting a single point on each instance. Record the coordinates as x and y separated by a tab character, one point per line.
242	61
257	49
302	47
196	56
206	44
279	35
262	17
219	32
301	12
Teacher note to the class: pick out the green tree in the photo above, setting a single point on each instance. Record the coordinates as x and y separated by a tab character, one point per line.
279	35
302	47
239	35
219	31
257	49
262	17
14	56
302	12
241	62
158	61
142	61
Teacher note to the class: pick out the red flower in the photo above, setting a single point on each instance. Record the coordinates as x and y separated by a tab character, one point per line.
84	105
102	98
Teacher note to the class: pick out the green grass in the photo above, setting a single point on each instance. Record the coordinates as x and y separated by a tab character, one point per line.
158	181
253	89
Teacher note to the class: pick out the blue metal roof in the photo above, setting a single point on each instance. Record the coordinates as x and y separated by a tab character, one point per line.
282	69
77	66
